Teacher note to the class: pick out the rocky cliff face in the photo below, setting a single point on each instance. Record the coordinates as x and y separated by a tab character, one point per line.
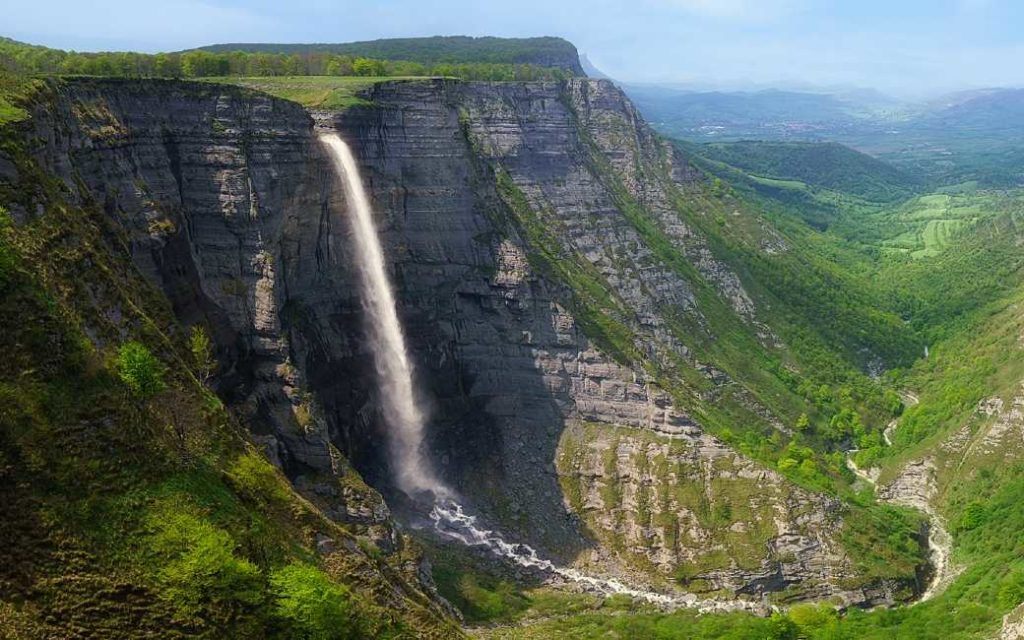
188	186
223	200
543	322
564	444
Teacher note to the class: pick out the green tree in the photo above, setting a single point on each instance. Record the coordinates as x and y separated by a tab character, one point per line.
368	67
313	607
166	66
191	64
811	617
803	422
200	573
140	370
202	353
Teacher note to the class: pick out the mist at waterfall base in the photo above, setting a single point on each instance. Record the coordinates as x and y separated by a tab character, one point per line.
405	421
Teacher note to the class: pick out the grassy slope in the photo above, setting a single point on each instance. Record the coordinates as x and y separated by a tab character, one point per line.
313	92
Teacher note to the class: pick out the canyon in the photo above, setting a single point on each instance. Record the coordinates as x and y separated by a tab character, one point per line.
544	427
438	337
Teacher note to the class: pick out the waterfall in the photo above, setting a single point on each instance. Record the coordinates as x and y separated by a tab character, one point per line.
402	415
405	421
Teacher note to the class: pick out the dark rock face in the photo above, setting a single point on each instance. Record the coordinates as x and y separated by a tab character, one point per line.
227	202
224	199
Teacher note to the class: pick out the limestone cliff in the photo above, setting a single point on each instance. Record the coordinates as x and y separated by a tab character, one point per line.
557	304
128	210
505	204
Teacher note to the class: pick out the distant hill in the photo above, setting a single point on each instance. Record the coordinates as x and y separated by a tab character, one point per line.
545	51
992	111
828	165
591	70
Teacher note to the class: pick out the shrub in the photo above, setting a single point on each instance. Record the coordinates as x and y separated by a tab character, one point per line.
198	570
803	423
257	478
973	516
140	370
311	606
785	464
8	260
1011	593
811	617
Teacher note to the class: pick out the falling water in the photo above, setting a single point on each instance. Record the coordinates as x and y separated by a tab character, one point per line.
405	421
402	415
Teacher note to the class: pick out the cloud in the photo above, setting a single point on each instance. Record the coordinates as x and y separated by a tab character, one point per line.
736	10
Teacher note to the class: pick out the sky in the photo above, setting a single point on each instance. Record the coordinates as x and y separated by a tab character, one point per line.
902	47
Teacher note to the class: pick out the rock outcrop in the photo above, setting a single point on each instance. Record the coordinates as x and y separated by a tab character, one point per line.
1013	625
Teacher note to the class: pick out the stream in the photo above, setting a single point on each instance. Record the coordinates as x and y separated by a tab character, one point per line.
912	489
451	521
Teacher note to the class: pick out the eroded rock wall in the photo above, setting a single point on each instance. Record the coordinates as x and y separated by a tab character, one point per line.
226	201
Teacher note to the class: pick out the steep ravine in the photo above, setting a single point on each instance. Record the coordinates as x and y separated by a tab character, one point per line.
915	487
228	204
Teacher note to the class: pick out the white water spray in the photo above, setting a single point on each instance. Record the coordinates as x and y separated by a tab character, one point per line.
413	473
404	420
451	521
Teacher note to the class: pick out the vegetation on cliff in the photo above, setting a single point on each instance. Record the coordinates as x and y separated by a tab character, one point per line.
544	51
126	480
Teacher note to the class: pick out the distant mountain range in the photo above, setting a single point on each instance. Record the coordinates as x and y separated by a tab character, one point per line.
963	137
761	114
805	115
